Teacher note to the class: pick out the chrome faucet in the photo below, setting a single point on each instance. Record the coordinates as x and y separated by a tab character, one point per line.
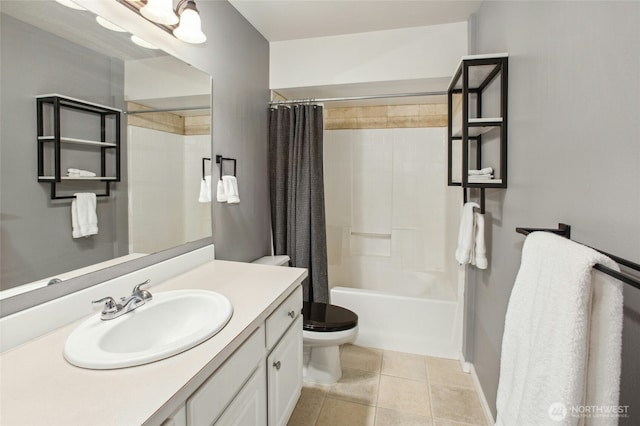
113	309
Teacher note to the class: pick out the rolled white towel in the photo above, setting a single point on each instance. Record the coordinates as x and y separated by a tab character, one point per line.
485	171
221	195
72	172
479	178
231	189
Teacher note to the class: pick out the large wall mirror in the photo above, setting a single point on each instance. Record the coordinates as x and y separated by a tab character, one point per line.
156	210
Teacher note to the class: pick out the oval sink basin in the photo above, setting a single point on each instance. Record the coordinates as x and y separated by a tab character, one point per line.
170	323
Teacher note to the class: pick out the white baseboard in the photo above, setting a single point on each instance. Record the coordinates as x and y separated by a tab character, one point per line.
476	384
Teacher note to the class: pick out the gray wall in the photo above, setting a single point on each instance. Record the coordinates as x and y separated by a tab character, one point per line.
574	155
36	231
237	57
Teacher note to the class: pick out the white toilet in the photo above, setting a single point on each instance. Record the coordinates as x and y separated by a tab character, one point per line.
325	328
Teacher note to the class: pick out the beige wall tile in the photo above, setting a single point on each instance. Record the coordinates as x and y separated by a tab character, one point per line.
371	123
383	117
197	125
403	110
340	123
371	111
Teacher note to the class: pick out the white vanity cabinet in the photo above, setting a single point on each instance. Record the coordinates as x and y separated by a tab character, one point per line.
284	363
260	383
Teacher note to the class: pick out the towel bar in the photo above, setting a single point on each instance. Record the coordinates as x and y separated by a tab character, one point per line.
220	160
565	231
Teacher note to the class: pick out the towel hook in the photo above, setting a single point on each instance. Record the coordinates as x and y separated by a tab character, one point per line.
220	160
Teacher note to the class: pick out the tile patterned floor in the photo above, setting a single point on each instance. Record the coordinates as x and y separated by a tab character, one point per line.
380	388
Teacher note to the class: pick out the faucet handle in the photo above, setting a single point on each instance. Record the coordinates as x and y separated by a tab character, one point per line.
110	305
143	294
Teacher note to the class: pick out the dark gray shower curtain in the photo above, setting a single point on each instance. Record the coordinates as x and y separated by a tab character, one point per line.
297	193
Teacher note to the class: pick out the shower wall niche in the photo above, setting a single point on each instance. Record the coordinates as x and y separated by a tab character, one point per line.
391	219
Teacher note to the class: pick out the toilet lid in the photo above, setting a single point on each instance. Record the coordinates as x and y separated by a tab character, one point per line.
323	317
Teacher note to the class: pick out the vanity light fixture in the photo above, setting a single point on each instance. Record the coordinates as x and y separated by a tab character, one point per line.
183	22
109	25
160	12
142	43
190	28
71	4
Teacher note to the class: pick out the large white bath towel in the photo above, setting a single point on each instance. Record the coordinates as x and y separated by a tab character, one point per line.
562	338
84	220
466	234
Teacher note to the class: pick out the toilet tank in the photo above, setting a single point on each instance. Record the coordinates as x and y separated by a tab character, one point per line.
273	260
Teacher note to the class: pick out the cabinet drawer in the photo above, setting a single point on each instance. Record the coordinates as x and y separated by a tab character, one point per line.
283	317
208	402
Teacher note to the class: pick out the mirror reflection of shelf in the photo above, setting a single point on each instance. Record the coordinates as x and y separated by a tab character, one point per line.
69	178
78	141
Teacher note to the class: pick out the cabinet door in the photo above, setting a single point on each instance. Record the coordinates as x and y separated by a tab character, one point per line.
284	367
249	407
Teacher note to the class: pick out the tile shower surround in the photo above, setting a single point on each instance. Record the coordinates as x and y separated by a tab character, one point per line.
380	388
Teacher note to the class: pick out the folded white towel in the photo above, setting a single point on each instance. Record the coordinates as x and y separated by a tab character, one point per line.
231	189
479	254
485	171
205	190
562	338
84	220
221	196
80	173
479	178
466	234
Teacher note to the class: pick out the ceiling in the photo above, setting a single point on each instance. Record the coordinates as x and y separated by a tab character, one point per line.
279	20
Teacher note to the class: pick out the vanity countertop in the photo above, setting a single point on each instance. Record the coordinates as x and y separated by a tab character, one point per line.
38	387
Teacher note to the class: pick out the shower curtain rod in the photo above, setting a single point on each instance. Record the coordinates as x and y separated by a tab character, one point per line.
356	98
147	111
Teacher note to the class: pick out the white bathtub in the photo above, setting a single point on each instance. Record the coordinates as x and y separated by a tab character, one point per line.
403	323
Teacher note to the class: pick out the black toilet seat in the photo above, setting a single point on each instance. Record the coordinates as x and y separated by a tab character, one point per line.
322	317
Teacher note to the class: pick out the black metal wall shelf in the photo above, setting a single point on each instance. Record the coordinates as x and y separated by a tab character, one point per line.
109	127
474	76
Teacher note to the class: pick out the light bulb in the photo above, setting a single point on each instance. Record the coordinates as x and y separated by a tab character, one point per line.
109	25
190	28
160	11
142	43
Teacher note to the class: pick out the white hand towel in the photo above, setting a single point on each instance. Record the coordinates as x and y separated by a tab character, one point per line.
205	190
231	189
466	234
562	338
221	196
479	256
80	173
84	220
485	171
